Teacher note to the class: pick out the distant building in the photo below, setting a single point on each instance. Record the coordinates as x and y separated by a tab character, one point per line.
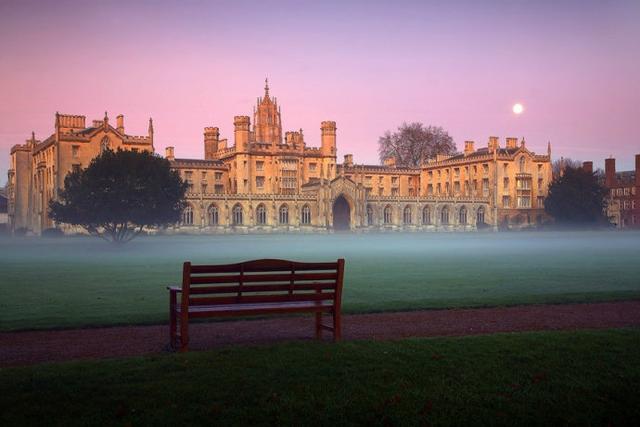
270	181
624	194
4	217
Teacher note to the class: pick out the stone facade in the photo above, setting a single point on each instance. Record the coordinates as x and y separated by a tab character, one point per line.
270	181
38	168
623	204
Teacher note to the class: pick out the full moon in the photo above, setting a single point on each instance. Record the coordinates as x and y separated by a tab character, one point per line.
518	108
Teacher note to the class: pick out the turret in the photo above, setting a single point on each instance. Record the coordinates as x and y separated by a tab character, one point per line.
211	140
241	132
328	138
150	133
168	154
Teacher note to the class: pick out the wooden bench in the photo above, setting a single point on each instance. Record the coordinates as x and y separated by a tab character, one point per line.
264	286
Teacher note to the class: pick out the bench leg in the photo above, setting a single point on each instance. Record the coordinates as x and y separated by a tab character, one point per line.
184	334
318	325
173	329
337	327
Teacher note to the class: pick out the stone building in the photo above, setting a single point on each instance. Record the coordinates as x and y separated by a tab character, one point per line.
38	168
270	181
623	208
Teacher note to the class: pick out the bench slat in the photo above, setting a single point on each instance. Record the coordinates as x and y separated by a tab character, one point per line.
262	298
272	287
264	265
257	278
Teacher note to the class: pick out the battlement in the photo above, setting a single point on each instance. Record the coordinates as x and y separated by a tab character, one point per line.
71	122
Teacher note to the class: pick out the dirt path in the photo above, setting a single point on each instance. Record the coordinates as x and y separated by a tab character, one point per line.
23	348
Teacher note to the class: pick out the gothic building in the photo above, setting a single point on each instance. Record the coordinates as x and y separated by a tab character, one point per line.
267	181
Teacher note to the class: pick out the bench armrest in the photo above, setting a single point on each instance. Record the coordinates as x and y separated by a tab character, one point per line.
174	288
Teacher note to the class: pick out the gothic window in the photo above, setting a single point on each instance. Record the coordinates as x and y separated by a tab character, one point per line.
237	214
104	145
388	215
187	216
462	216
444	216
369	215
306	215
426	215
261	215
480	216
213	215
406	215
283	215
522	164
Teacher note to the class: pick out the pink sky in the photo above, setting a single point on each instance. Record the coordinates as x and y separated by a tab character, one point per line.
460	65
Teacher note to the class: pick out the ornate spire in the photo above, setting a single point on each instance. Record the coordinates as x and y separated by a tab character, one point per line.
150	126
266	88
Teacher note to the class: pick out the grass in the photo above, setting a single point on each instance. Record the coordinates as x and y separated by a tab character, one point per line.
550	378
76	282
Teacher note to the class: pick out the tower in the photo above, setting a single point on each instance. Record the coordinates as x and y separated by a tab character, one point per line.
328	138
267	126
211	140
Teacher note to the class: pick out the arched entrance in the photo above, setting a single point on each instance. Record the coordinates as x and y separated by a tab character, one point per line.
341	214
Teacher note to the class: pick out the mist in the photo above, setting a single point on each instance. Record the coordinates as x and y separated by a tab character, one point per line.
80	281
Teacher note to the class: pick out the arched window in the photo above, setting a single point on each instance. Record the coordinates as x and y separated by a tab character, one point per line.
388	215
444	216
369	215
306	215
462	216
426	216
187	216
480	216
261	215
284	215
237	214
522	164
213	215
406	215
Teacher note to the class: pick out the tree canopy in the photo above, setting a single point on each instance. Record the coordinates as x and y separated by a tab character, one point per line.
414	143
577	198
119	194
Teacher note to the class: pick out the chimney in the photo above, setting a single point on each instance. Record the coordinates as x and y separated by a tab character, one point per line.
494	144
168	154
468	148
390	162
512	143
587	167
348	160
120	123
610	172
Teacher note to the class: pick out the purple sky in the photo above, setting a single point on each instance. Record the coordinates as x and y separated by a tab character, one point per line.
575	66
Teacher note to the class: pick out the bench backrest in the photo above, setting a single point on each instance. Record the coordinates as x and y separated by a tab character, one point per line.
263	280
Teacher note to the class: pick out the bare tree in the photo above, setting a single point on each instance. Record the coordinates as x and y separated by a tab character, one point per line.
563	163
414	143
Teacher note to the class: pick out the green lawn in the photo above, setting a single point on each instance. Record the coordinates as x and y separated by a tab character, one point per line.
550	378
52	283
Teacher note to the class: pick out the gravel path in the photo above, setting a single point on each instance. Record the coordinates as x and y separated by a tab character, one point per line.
31	347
